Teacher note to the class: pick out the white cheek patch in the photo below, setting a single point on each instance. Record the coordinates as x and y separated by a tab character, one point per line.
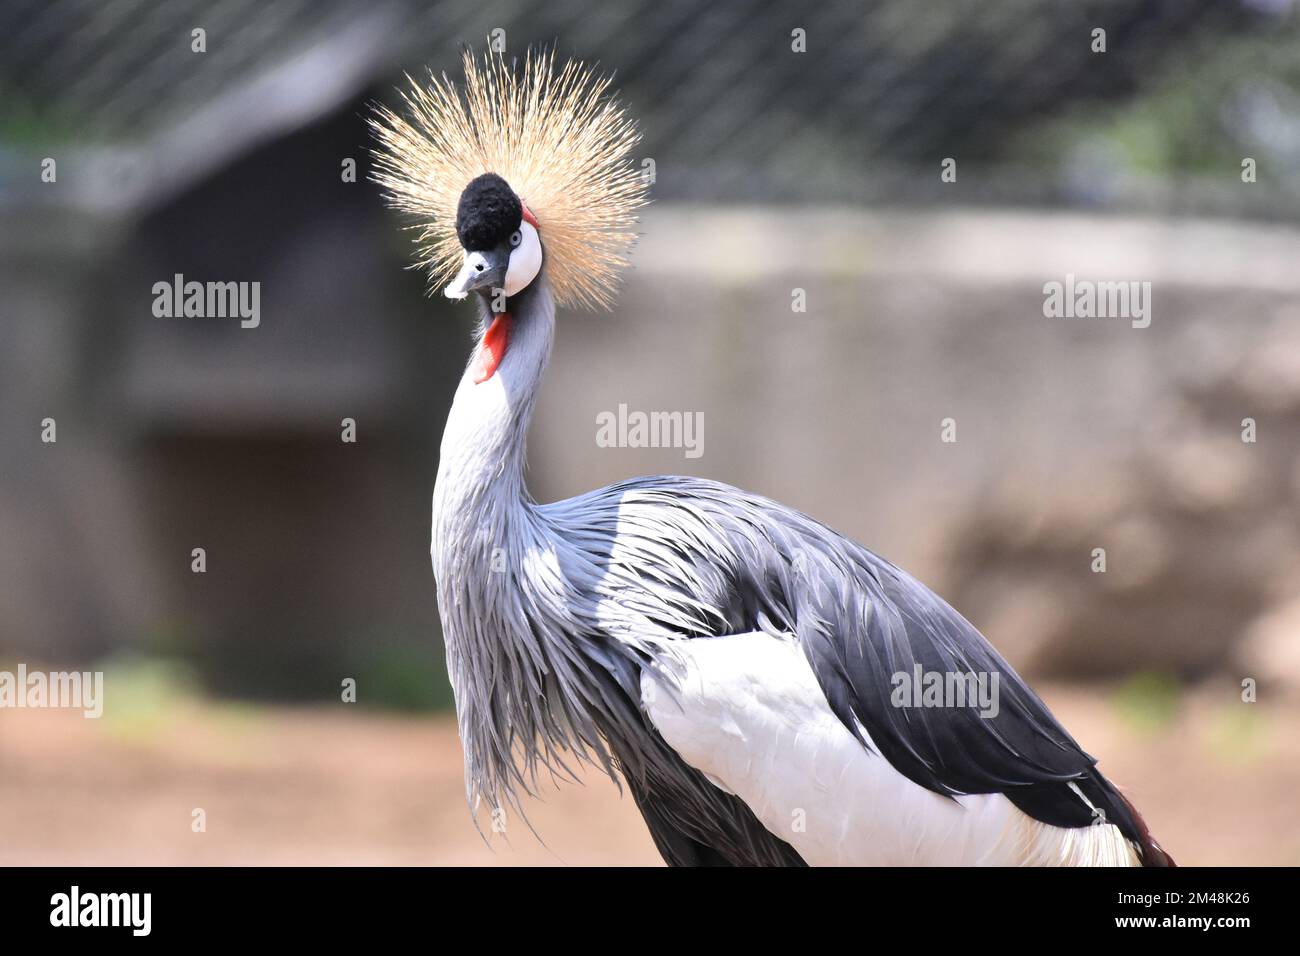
525	260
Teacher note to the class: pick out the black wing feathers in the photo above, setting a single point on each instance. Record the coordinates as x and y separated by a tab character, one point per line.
860	621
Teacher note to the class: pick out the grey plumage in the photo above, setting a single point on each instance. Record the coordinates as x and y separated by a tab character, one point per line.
552	611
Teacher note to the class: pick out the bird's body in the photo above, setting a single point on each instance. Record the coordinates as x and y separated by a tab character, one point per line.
693	635
734	661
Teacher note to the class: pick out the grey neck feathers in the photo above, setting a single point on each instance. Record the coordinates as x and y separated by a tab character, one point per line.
521	692
483	443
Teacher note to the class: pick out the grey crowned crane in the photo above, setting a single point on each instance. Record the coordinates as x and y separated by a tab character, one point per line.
735	662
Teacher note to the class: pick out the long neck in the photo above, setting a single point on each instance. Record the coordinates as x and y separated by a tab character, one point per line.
485	526
481	468
520	655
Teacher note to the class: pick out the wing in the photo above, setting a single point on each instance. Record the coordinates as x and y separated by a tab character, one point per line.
873	634
861	622
747	711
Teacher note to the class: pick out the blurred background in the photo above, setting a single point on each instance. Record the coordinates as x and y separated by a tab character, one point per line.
775	170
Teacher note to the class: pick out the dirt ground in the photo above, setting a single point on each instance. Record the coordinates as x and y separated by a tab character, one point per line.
1216	781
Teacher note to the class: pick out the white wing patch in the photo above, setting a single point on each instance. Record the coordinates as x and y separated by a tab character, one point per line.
746	710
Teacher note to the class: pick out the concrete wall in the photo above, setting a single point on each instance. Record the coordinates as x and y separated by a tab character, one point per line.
1072	434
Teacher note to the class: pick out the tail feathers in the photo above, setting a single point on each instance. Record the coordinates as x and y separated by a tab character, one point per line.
1153	854
1098	792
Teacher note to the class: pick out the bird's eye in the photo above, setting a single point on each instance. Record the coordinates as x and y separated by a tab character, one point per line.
516	237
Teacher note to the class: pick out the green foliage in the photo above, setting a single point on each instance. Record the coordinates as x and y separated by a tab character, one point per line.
1148	702
403	677
142	694
1189	119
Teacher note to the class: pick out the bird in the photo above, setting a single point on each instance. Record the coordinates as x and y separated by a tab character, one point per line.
769	692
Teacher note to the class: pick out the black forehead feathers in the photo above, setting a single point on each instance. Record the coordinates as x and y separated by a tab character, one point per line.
489	211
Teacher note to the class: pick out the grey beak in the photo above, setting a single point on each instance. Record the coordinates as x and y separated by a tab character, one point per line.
482	270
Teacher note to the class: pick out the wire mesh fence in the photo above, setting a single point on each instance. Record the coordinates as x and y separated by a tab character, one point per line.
760	100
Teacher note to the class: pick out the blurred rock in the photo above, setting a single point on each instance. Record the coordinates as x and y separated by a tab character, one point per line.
1200	527
1270	649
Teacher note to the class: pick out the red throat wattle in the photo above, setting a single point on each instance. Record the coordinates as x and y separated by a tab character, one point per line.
493	348
497	338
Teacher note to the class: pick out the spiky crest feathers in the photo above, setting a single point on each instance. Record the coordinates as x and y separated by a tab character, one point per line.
553	134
